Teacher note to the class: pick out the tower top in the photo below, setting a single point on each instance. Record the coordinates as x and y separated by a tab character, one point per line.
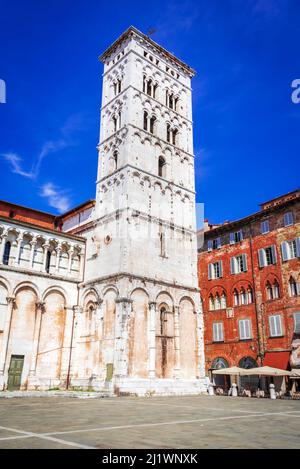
133	32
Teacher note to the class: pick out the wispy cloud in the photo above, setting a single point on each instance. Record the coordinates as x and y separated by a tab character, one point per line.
56	197
66	139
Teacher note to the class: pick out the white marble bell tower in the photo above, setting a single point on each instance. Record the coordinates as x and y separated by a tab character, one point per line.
141	261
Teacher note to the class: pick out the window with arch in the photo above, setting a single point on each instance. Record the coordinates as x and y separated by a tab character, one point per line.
250	295
247	363
48	261
223	301
294	287
6	253
161	167
236	298
115	159
217	302
211	303
219	363
162	242
152	124
272	290
145	122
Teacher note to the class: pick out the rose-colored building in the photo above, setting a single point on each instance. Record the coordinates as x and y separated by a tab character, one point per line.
249	276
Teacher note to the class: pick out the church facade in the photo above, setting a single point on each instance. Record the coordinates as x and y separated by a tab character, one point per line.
106	296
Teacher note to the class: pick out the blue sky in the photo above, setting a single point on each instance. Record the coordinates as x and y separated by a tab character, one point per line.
246	127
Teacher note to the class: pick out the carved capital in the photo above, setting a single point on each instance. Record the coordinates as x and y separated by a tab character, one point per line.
123	300
77	309
152	304
40	305
11	300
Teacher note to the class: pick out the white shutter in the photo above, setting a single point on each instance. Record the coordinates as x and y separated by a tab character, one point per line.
247	329
231	238
274	254
221	268
244	256
298	288
272	326
232	265
241	328
297	323
261	257
210	271
298	247
284	251
278	324
209	245
218	243
241	235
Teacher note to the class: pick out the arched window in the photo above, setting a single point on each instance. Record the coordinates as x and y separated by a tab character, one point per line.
149	87
163	320
294	287
247	363
174	138
250	295
276	290
219	363
243	300
223	301
48	261
168	133
115	122
217	302
211	303
269	291
145	120
154	90
161	167
6	253
152	122
236	299
119	86
144	84
115	158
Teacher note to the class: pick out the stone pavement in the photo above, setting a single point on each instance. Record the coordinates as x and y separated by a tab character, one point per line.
156	422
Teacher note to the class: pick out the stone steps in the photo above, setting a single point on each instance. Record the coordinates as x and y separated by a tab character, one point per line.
74	394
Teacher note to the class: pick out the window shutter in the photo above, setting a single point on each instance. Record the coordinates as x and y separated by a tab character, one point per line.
261	257
221	338
284	251
231	238
272	326
241	235
209	245
244	262
241	328
218	242
232	265
298	247
298	288
221	268
247	329
214	332
297	323
210	271
278	324
274	254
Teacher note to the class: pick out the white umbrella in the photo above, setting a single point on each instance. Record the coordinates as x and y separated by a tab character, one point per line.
265	371
233	370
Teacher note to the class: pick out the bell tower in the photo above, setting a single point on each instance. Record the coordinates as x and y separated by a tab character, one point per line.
142	249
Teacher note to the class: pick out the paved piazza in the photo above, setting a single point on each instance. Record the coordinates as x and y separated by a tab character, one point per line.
162	422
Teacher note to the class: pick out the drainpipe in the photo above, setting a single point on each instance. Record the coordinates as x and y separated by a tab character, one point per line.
258	308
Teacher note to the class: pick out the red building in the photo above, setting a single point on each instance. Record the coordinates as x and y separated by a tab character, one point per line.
249	277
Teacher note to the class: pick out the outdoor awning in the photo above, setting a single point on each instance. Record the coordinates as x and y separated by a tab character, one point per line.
295	373
277	359
265	371
234	370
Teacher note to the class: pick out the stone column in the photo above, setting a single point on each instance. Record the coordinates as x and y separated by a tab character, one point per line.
70	254
33	244
45	250
58	251
123	309
81	264
176	342
2	245
73	366
40	309
11	301
200	341
19	244
99	335
152	339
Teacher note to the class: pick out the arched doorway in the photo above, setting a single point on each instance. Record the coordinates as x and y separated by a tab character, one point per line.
248	382
222	381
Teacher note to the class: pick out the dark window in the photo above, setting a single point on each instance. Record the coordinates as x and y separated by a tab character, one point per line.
6	252
161	167
48	261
